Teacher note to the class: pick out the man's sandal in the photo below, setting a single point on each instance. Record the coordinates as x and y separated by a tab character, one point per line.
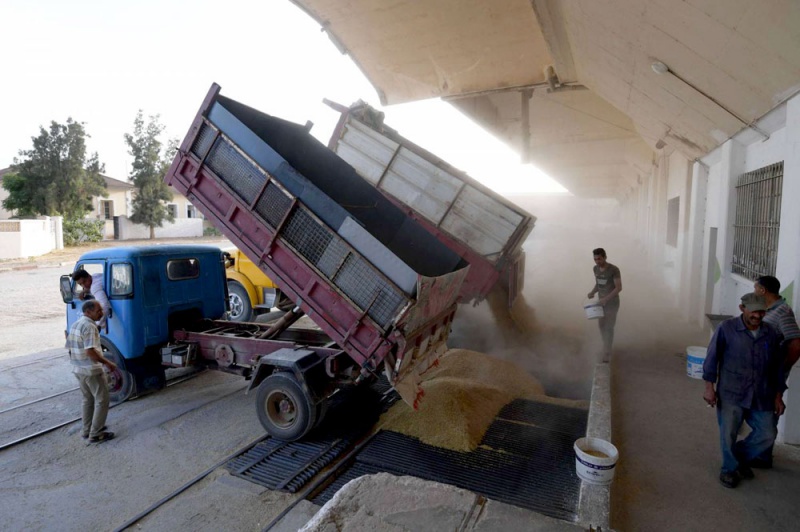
100	438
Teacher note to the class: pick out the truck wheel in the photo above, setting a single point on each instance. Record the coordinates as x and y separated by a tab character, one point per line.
241	309
322	410
120	382
284	409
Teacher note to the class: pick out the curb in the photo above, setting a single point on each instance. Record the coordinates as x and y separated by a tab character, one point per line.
25	267
594	506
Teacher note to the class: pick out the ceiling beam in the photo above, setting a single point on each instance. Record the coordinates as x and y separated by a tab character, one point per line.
551	22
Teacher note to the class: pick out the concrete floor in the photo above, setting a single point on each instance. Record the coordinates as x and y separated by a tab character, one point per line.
666	478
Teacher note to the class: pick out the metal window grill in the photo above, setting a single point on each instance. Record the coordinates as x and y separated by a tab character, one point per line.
311	238
758	220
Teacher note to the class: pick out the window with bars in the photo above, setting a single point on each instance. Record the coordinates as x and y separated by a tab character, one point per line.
758	221
172	208
107	209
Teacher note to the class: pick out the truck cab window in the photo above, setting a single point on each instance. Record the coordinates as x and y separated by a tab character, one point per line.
121	280
93	269
180	269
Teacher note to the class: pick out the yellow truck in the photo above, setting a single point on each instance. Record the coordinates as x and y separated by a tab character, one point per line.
250	292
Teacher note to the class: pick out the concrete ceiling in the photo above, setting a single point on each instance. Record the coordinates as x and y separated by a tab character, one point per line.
729	62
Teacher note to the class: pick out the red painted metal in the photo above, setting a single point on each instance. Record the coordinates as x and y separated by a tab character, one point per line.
420	321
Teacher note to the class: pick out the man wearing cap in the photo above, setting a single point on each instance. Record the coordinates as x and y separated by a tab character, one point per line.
744	362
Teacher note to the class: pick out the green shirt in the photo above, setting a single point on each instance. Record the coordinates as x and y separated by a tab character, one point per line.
604	279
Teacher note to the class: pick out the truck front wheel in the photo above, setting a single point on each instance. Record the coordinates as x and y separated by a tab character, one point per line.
285	411
241	309
120	381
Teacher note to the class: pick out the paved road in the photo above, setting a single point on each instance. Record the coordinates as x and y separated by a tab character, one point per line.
33	319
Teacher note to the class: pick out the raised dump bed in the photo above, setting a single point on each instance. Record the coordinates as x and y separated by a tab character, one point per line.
476	223
372	278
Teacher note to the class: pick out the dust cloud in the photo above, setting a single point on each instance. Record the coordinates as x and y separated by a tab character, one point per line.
547	332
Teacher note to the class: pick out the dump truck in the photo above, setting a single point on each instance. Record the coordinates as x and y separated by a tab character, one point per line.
481	226
378	284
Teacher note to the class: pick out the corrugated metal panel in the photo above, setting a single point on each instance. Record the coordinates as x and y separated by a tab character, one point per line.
421	185
482	221
367	151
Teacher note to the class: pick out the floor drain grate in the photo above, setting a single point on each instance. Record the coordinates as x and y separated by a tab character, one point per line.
288	466
526	461
285	465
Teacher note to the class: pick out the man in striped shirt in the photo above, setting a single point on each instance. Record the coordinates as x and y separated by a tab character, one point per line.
782	318
87	360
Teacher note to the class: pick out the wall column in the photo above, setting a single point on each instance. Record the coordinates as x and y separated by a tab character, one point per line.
695	235
788	268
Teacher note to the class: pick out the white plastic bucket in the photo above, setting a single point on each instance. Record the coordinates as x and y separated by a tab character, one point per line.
695	356
593	311
595	460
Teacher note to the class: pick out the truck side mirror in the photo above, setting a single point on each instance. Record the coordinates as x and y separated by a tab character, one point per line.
66	289
228	260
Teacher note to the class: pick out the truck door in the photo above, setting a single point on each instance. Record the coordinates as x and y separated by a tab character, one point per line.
74	310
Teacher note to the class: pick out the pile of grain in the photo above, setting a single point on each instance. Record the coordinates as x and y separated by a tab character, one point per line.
462	397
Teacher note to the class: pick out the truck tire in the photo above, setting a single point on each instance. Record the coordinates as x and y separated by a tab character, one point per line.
121	384
241	309
284	409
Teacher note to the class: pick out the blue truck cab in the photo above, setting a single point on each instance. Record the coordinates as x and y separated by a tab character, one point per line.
153	291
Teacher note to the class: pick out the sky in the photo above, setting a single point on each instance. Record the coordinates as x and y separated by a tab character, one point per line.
99	62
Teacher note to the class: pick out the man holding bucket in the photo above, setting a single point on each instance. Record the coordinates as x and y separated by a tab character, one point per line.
744	361
608	285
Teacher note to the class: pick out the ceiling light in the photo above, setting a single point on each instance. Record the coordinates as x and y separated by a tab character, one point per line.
659	67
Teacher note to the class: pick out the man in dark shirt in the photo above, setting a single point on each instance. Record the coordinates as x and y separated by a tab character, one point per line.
744	361
607	285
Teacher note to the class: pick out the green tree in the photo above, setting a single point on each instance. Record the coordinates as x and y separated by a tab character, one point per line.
55	177
150	165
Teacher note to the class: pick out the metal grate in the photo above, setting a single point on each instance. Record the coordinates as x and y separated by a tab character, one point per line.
758	220
557	418
360	282
203	141
323	248
235	170
525	459
273	204
289	466
286	466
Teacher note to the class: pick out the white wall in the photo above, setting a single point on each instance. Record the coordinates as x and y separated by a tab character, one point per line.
30	238
182	227
700	276
748	151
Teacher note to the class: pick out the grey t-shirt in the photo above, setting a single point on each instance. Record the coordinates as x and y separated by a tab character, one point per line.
604	279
